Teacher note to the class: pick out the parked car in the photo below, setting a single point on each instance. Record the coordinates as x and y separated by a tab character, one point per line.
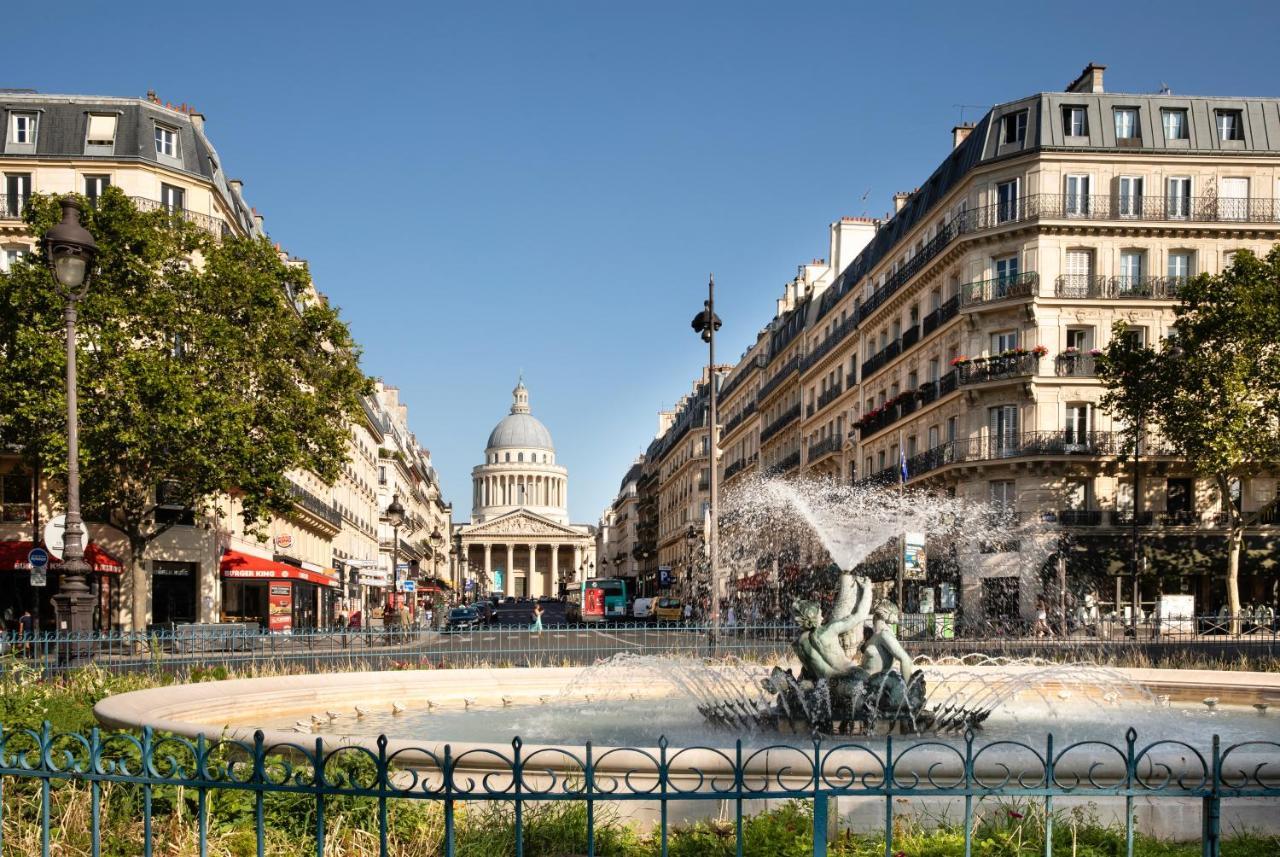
642	608
463	619
484	611
669	610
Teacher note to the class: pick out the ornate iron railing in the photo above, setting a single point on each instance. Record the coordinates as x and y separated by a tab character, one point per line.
320	777
830	395
1018	287
304	499
1074	363
1093	286
772	384
983	369
785	419
825	447
747	410
940	316
785	464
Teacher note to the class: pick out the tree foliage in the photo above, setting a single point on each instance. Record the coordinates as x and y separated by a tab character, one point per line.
1213	387
206	365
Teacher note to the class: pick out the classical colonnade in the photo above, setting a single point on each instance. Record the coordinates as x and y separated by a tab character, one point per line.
519	489
529	568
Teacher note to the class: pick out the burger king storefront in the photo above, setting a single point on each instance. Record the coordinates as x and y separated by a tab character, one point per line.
279	597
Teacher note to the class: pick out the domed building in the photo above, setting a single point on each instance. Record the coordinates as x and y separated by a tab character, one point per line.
520	541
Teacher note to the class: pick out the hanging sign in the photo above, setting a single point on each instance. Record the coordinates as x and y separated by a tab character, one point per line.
913	559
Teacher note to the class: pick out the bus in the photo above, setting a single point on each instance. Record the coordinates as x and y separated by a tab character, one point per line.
597	600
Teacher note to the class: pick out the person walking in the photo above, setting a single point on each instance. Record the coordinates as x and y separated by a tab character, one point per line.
26	631
537	619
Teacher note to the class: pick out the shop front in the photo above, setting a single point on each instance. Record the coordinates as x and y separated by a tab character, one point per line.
22	588
279	597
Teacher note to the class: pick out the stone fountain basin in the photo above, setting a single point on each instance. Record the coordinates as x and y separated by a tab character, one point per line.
219	708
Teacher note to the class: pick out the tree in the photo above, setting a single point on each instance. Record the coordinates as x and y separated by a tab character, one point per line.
208	367
1212	387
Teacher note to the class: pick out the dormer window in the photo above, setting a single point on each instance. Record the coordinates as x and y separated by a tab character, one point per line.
166	142
1075	121
1015	127
1127	124
22	129
1229	125
101	131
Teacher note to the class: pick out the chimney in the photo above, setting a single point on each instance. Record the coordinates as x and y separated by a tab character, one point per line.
848	236
1090	80
900	200
258	219
237	186
960	133
197	121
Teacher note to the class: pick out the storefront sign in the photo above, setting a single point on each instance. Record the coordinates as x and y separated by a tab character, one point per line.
284	540
374	578
286	573
280	616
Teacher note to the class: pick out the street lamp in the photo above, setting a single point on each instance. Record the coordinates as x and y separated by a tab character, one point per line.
395	517
705	324
69	253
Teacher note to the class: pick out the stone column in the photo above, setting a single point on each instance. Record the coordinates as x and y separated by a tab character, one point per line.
488	566
555	569
509	585
579	574
533	569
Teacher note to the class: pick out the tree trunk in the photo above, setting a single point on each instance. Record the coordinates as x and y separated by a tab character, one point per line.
139	582
1235	540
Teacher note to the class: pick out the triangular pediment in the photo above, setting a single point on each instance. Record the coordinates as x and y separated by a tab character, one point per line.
521	523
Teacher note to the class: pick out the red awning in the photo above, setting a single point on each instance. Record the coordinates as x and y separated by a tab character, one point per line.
13	557
244	566
758	580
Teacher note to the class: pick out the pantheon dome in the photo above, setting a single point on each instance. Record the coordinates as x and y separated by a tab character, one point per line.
519	469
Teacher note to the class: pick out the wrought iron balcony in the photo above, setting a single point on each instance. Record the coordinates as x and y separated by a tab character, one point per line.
1050	444
1018	287
740	417
838	335
305	500
827	446
1074	363
1092	286
940	316
790	462
829	395
773	383
787	418
983	369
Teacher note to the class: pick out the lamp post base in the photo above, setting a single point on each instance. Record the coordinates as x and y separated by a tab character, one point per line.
74	618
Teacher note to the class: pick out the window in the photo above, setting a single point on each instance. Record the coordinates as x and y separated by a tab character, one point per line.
94	186
1137	334
1233	199
1175	124
9	255
880	461
1077	495
1179	496
166	142
1127	124
1007	207
934	370
1078	338
1015	127
1130	196
22	129
101	131
1004	495
1078	280
1131	265
933	437
1077	201
1075	122
1002	341
951	428
1006	274
172	198
1177	198
1002	422
1076	430
18	190
1230	126
1181	265
15	497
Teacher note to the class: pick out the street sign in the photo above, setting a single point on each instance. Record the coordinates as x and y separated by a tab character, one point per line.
38	558
664	577
470	585
408	585
38	577
54	531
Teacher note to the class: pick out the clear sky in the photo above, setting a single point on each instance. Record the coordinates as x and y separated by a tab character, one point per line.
485	188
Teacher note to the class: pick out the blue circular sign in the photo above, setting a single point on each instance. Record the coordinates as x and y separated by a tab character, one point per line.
38	557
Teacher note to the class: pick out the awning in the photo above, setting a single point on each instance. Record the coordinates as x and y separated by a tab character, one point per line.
760	580
13	557
237	565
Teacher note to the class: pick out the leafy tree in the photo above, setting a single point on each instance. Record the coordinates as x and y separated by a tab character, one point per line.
1213	387
207	366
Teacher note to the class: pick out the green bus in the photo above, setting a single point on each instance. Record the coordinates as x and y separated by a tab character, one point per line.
600	599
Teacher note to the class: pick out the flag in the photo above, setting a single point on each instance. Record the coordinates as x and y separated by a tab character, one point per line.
902	464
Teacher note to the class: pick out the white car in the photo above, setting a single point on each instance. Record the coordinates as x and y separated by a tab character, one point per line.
642	608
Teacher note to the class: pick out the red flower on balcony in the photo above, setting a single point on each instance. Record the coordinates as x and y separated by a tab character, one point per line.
960	361
1040	350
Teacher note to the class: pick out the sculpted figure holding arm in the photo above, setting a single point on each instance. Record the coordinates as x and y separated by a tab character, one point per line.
818	646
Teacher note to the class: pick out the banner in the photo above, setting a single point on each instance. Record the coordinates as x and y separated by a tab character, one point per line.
913	558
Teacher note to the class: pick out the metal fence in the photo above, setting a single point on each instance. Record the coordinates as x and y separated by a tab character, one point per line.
244	648
323	778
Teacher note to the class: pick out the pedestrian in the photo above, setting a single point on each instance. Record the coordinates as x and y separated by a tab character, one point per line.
730	620
688	612
1041	628
537	619
26	631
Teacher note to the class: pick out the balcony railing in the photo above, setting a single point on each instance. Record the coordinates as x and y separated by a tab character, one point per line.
309	502
12	208
772	384
1070	364
740	416
941	315
1093	286
983	369
876	361
842	330
787	418
1063	442
790	462
738	466
825	447
904	406
1016	287
829	395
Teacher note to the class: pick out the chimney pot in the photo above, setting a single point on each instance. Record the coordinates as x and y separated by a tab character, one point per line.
900	200
960	133
1090	80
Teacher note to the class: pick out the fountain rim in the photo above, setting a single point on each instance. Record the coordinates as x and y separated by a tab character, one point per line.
166	710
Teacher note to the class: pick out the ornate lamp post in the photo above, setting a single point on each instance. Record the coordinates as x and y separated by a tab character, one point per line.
395	517
705	324
69	252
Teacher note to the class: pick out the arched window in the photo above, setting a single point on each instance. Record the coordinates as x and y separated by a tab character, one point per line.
507	454
520	456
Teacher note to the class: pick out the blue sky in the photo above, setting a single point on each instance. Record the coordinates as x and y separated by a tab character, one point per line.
544	186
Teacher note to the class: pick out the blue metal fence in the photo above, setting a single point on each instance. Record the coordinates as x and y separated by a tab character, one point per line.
321	774
244	647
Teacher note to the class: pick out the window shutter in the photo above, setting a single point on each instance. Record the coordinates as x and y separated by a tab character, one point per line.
102	129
